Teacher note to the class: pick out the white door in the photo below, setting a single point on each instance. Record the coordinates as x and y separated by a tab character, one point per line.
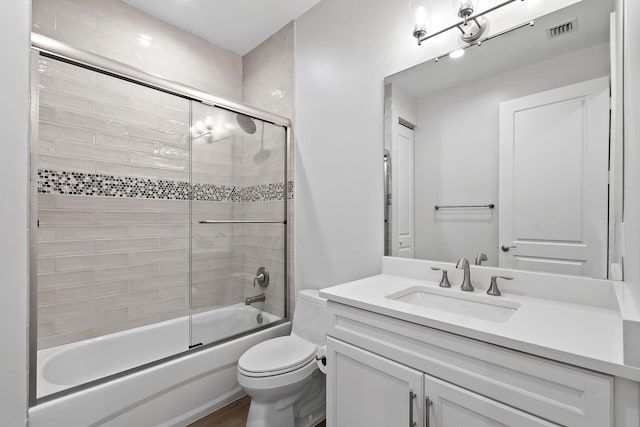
554	180
366	390
403	176
452	406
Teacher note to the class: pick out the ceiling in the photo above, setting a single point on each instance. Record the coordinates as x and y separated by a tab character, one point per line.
517	49
237	25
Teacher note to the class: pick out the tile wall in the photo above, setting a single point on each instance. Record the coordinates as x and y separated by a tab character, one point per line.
269	82
114	29
113	161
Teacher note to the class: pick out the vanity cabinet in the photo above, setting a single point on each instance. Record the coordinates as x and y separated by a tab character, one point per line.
381	371
365	389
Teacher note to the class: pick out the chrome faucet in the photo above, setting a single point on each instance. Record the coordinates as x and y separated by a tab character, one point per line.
466	281
256	298
481	257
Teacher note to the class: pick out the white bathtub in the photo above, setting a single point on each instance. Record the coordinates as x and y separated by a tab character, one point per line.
168	394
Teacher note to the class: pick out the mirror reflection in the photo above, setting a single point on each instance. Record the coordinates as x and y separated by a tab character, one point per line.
509	154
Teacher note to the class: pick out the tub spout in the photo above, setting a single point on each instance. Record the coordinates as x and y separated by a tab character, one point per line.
256	298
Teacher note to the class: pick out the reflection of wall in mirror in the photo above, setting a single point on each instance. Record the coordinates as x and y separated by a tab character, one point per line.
457	152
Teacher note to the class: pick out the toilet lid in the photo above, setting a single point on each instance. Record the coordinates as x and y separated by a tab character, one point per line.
277	356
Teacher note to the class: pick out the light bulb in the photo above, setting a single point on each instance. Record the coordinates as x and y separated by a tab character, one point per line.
456	54
465	8
421	17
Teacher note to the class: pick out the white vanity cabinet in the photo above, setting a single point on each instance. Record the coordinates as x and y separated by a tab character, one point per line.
368	390
382	370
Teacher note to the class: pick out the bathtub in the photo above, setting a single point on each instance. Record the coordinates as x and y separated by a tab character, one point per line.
172	393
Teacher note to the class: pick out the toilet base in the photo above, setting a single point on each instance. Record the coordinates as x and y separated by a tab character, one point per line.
305	408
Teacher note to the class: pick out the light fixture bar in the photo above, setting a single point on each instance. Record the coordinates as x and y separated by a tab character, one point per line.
480	42
463	21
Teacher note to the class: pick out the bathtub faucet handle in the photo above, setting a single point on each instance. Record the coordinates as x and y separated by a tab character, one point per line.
262	277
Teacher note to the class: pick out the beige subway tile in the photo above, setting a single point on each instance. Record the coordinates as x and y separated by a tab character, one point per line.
46	265
85	121
61	339
159	205
161	281
46	114
124	245
64	101
156	307
162	230
85	262
91	291
174	243
67	133
126	299
90	92
75	232
46	297
92	152
90	320
46	201
92	202
65	217
125	273
143	321
57	280
63	310
127	217
66	247
46	329
147	257
59	163
121	169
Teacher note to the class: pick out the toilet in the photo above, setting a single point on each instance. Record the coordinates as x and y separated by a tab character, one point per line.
284	376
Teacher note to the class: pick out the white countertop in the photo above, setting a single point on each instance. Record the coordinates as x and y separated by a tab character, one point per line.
587	336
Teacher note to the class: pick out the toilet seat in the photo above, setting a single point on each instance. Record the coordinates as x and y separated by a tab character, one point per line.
277	356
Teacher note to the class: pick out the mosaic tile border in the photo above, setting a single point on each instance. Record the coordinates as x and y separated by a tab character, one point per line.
92	184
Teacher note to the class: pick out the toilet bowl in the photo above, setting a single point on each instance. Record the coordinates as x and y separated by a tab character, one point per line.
282	375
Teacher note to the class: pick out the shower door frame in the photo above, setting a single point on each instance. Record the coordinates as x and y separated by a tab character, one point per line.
50	48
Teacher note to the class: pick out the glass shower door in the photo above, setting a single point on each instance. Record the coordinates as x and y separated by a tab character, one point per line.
238	224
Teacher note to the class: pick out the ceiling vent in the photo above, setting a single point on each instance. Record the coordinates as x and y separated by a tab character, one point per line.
562	29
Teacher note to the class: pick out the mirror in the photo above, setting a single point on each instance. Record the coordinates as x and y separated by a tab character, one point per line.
512	150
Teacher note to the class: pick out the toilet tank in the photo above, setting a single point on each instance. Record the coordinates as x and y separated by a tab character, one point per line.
311	317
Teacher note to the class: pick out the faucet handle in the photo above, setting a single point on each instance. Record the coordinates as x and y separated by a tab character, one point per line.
493	289
444	281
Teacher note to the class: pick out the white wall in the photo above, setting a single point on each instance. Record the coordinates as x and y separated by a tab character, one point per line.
456	152
632	176
14	121
344	49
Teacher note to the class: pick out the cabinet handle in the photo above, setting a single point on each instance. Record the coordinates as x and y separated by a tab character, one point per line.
427	404
412	397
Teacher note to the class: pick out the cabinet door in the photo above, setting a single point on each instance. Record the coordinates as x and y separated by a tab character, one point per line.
452	406
369	391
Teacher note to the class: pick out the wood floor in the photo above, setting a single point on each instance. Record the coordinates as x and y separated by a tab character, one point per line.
232	415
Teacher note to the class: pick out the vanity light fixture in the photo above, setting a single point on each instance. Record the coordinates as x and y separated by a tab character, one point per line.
472	25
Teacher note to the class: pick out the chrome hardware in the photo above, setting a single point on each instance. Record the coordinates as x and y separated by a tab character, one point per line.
493	289
427	404
444	281
212	221
481	257
254	299
412	397
262	277
506	248
489	206
466	281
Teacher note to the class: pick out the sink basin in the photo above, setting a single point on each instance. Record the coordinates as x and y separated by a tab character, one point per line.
484	307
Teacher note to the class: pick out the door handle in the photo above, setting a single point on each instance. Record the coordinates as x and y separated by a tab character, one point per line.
427	404
412	397
506	248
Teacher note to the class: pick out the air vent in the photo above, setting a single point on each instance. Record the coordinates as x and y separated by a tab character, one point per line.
562	29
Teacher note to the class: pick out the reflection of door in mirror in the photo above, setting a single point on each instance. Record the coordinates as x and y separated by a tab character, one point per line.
403	175
554	180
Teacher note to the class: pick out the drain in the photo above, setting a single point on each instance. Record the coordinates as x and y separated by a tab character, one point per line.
259	319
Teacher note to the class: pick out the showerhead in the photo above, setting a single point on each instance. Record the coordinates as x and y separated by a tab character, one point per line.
246	124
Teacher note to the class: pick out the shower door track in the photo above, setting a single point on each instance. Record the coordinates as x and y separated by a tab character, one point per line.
48	47
209	221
